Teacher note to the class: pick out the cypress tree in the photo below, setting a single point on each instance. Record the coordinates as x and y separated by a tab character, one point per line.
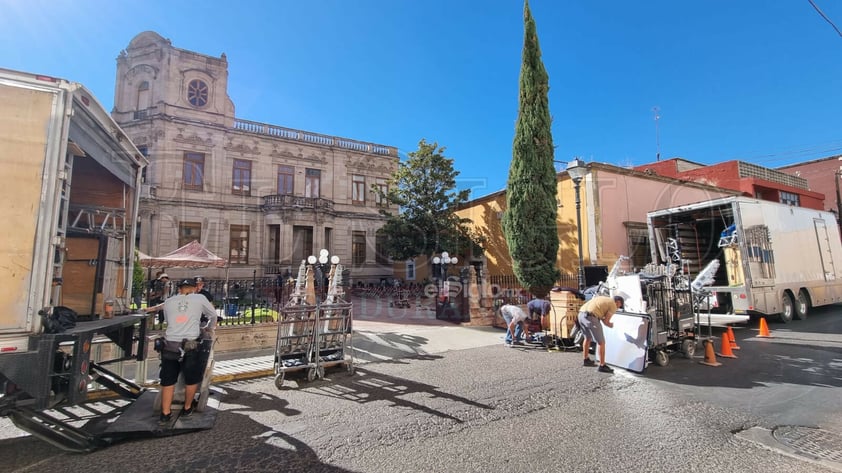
529	222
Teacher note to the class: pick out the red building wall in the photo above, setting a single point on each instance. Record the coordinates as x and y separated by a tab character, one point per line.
821	177
727	176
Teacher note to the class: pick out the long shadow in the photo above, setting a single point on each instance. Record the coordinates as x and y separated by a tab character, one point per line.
257	447
239	442
370	386
390	346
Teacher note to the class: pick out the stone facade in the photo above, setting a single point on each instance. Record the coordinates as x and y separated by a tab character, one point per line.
261	196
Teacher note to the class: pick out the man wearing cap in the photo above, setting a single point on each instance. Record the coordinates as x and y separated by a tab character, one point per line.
592	316
181	352
159	292
200	288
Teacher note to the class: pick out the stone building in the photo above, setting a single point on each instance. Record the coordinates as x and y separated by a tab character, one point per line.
262	196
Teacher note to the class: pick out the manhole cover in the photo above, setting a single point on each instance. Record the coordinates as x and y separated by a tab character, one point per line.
815	442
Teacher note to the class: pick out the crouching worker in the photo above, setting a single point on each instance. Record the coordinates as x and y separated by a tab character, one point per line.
592	316
182	351
515	324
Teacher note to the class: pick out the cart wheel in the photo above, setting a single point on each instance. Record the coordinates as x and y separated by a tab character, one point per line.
661	358
688	348
311	374
351	368
320	372
279	380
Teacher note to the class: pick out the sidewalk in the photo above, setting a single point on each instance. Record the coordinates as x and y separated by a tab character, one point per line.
381	333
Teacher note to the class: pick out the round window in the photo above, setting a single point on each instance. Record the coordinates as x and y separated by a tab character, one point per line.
197	93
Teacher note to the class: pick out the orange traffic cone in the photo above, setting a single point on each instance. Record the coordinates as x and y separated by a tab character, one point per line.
726	347
764	329
710	356
733	340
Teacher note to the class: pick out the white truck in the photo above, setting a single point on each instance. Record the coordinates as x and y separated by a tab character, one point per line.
775	259
67	247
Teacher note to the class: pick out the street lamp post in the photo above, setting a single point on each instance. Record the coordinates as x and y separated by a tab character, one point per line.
321	265
443	263
577	169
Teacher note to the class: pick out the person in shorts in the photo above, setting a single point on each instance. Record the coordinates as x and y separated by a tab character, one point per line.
515	319
592	316
181	353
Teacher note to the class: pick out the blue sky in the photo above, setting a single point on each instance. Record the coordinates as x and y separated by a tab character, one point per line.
757	80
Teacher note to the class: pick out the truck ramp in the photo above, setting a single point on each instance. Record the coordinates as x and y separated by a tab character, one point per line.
90	426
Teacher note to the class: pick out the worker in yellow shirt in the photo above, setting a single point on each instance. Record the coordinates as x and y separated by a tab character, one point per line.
592	316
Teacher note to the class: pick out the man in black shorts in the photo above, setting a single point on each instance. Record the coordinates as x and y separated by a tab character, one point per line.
181	352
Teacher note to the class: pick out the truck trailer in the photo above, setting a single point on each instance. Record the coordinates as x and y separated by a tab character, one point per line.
774	259
71	199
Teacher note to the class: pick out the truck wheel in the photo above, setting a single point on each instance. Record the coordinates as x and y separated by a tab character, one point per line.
662	358
787	308
688	348
802	305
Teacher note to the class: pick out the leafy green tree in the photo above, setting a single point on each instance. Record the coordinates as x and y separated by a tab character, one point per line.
529	222
424	190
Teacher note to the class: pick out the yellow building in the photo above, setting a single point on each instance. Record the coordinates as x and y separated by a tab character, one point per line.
614	203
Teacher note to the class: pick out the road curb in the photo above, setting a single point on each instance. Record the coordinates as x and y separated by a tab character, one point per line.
766	439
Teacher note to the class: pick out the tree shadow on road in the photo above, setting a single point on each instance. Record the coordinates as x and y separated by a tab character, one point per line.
390	346
370	386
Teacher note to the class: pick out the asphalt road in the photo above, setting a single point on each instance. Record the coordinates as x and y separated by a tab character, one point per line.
498	409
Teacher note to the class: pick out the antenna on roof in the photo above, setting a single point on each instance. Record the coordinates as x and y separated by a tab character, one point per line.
655	112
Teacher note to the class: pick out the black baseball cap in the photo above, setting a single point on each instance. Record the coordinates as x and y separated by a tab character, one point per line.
187	282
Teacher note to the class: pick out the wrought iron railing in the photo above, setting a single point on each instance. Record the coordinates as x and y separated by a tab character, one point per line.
287	201
314	138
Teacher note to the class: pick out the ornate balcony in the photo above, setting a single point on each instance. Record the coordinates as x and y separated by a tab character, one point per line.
286	202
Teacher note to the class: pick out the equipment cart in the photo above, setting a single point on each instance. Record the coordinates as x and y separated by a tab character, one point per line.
294	346
333	338
401	298
672	327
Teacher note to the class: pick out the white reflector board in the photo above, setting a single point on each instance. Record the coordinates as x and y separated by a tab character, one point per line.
627	343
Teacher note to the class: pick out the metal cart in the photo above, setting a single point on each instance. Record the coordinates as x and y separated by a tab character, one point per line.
672	328
294	346
401	298
333	341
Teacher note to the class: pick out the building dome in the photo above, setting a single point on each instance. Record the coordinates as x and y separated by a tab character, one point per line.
147	38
